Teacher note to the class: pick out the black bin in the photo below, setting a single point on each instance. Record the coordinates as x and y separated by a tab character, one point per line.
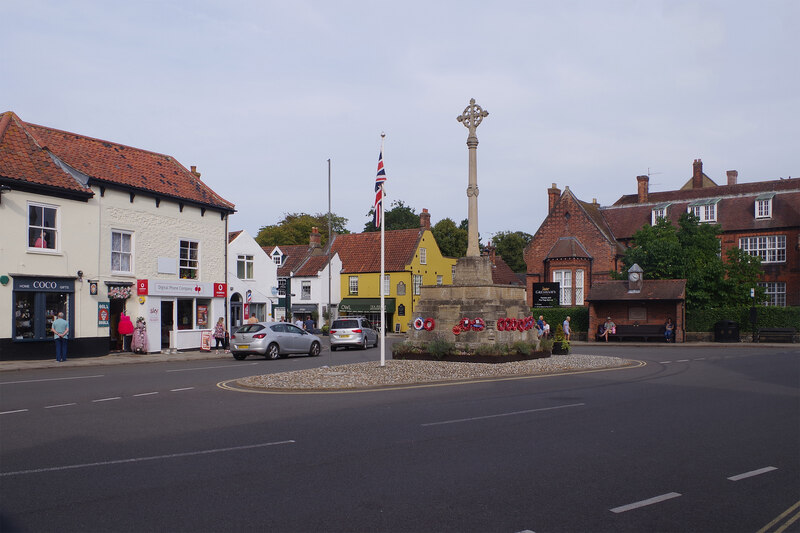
726	331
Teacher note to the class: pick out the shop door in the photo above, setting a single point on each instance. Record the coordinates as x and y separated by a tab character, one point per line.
167	321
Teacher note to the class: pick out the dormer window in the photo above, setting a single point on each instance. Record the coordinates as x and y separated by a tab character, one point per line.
705	210
277	257
764	205
659	211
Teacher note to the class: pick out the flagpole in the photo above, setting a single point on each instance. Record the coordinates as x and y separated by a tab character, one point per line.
380	281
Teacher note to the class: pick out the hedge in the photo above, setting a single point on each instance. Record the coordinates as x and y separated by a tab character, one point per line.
555	316
768	317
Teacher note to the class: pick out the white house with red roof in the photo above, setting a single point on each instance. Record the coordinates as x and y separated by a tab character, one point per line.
252	280
93	229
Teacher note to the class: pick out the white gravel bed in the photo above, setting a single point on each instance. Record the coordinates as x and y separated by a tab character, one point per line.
401	372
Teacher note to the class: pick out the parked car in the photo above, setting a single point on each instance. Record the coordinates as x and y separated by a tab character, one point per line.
352	331
273	340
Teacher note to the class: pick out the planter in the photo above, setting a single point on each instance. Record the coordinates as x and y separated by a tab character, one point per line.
560	349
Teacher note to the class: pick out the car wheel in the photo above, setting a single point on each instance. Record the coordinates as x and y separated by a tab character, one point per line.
240	356
315	349
273	352
364	344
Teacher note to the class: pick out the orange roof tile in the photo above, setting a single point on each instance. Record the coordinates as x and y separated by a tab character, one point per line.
361	252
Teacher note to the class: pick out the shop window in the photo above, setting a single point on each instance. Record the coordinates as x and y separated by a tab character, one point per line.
189	259
244	267
42	226
34	313
121	251
259	311
202	314
185	314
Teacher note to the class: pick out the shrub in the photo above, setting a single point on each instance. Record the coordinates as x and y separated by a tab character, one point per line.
768	317
440	348
522	348
404	348
546	345
485	349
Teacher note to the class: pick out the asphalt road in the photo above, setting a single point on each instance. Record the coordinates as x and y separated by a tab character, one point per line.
699	439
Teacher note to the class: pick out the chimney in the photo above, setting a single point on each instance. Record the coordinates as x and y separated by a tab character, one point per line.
425	219
644	186
195	172
697	174
553	194
733	175
594	202
315	240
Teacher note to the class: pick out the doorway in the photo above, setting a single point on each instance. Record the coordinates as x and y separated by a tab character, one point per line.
167	321
116	307
236	310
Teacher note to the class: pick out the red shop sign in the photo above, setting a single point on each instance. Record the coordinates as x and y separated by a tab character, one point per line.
141	287
220	290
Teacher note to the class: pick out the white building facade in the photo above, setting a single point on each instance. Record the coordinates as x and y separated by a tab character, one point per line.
252	280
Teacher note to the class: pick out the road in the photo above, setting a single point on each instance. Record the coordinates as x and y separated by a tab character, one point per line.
698	439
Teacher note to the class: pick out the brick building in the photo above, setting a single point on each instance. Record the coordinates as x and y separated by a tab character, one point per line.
579	243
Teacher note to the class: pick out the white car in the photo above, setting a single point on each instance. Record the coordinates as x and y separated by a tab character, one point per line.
352	331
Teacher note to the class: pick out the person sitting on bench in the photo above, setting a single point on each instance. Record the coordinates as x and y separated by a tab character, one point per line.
669	327
608	328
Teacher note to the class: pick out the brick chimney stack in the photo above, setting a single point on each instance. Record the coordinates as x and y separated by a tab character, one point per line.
195	172
697	174
315	239
553	194
644	185
733	176
425	219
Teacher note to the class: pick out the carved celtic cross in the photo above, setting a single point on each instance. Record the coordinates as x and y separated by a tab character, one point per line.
472	116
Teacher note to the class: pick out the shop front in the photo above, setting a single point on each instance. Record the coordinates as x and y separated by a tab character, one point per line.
179	313
369	308
36	301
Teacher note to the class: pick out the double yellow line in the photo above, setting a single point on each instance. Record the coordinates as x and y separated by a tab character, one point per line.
783	520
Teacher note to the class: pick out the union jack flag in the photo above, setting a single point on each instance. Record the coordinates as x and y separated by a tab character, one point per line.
380	178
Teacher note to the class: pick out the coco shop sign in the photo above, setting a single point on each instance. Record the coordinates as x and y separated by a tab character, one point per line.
44	285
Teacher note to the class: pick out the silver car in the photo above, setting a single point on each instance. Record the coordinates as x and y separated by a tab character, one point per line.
273	340
352	331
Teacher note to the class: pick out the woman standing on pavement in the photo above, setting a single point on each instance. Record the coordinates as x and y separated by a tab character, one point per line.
219	334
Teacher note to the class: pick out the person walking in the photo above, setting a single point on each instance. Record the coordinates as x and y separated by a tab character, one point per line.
566	328
219	335
60	329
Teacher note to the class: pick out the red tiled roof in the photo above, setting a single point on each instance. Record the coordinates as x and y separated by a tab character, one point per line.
23	160
503	275
106	162
293	256
312	266
360	252
568	247
687	195
652	289
232	235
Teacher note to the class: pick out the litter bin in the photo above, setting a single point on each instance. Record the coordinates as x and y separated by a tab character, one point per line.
726	331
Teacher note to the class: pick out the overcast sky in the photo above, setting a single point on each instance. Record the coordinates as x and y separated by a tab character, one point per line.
259	95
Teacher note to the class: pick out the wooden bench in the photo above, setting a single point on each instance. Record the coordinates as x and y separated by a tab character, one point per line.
775	334
641	331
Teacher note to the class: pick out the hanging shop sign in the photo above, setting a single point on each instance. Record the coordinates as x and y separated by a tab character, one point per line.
103	314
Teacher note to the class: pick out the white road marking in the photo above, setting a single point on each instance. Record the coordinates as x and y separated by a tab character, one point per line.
664	362
11	412
141	459
501	414
700	359
682	361
108	399
178	390
753	473
60	405
144	394
211	367
49	379
644	503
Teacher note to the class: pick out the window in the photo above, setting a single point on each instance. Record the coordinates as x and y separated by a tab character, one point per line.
387	286
423	256
564	278
244	267
417	283
775	293
281	286
42	226
579	287
659	211
771	248
353	284
277	258
121	251
189	262
401	289
764	205
705	210
305	290
439	280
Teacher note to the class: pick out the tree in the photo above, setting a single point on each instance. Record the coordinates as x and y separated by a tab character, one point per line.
742	272
296	227
451	239
510	245
400	216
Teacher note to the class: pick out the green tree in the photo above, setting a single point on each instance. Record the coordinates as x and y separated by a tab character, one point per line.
451	239
510	245
400	216
742	272
296	227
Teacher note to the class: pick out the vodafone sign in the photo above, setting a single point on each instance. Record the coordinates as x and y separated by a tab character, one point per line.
141	287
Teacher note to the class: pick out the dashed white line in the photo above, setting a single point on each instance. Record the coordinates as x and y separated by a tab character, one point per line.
60	405
49	379
664	362
501	414
682	361
752	473
700	359
140	459
644	503
11	412
210	367
107	399
178	390
144	394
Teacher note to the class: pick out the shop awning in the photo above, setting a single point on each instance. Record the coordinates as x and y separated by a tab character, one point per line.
304	308
365	305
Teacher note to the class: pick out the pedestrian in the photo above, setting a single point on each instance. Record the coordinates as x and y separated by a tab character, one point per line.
309	324
125	329
220	334
60	329
609	328
299	322
669	329
540	325
566	328
252	320
545	329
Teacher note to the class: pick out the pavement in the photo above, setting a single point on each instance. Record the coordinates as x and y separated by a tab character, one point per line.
124	358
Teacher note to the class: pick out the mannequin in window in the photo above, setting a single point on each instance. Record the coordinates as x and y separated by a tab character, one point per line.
41	241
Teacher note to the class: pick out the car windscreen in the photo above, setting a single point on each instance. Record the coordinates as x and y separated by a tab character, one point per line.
250	328
345	324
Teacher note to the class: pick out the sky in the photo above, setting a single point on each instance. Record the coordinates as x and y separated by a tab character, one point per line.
259	95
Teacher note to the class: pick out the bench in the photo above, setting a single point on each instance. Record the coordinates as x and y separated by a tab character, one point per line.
640	331
775	334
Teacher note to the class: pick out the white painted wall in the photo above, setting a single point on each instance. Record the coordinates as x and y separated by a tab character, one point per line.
265	271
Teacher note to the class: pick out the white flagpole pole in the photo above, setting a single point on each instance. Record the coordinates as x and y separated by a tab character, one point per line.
383	307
